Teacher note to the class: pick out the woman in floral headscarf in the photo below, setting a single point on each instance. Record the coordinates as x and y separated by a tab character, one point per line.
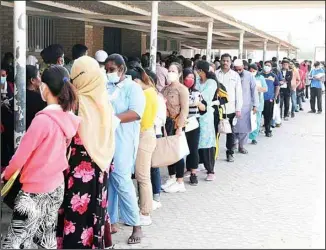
83	220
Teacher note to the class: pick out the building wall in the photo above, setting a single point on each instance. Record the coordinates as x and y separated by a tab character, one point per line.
131	43
6	35
98	33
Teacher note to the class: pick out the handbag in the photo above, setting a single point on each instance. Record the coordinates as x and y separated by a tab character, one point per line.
191	124
11	189
169	150
253	121
224	126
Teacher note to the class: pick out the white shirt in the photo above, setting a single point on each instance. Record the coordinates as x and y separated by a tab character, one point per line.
232	82
161	115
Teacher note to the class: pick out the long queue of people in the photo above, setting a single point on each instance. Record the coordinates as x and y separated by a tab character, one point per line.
93	124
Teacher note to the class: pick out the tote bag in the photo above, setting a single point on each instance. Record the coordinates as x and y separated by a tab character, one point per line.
169	150
253	121
192	124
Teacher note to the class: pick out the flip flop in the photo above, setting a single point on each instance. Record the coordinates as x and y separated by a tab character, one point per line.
243	151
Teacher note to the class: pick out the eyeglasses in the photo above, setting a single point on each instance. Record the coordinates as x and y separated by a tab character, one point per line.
71	80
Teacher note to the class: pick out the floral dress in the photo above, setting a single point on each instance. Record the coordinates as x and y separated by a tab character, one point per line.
83	221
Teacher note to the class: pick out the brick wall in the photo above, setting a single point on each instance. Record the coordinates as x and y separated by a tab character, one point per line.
89	41
131	43
6	30
68	33
98	34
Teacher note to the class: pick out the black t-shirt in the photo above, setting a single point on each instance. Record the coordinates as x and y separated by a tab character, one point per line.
34	104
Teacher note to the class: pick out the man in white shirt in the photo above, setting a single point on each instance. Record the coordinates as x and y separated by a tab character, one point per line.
232	82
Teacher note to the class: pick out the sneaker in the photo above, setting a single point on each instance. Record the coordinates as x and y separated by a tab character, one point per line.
201	167
319	112
193	180
168	183
301	109
254	142
230	158
286	118
156	205
297	110
210	177
187	174
176	188
292	115
145	220
311	112
269	134
278	125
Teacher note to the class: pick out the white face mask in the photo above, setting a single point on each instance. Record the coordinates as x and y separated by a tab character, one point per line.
113	77
3	79
41	92
254	73
173	77
267	68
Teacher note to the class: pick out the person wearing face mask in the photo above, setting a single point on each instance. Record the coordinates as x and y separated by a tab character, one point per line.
296	81
232	82
128	101
8	63
261	89
4	83
147	143
285	89
41	160
195	106
317	75
250	103
207	86
270	96
177	96
34	102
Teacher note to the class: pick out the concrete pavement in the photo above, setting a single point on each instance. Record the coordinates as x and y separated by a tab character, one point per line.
274	197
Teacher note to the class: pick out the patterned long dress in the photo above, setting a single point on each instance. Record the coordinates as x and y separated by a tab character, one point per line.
83	221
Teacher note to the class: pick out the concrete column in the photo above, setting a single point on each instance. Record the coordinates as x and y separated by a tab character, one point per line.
265	50
289	53
278	52
240	56
209	41
246	54
153	47
20	70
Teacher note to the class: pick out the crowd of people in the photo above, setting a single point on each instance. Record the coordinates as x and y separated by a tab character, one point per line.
92	126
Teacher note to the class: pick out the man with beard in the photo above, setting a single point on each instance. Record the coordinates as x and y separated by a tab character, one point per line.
250	103
232	82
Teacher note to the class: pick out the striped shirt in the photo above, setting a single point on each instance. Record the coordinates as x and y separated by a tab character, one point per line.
194	97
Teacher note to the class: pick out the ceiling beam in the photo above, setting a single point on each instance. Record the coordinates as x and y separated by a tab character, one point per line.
191	5
147	13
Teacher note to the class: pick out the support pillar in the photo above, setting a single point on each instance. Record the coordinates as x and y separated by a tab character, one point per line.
278	52
289	53
246	54
20	71
209	41
265	50
153	47
240	56
143	43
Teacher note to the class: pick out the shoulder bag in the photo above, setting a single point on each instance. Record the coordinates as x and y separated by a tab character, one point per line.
224	126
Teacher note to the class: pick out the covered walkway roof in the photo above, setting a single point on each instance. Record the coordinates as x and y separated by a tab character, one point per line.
186	21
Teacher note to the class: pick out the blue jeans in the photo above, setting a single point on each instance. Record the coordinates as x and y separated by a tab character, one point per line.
293	101
156	178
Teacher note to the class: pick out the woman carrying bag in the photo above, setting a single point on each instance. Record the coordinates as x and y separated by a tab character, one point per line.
177	96
41	160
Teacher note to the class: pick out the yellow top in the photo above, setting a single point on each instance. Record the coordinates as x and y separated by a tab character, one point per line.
151	108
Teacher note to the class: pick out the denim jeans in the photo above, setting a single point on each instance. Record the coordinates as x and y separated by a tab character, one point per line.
156	178
293	101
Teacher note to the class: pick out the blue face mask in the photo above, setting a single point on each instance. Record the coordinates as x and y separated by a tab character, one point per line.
113	77
3	79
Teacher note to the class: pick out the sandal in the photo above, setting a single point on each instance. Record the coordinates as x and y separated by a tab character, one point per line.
135	237
114	229
243	151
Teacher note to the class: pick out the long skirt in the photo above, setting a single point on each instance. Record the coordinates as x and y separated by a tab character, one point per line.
83	221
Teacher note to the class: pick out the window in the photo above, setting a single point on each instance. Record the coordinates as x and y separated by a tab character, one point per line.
174	45
40	33
161	43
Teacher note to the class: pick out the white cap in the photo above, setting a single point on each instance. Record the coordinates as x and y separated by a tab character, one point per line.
101	56
238	63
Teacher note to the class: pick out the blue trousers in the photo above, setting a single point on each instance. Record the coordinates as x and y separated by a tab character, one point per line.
293	101
254	134
122	195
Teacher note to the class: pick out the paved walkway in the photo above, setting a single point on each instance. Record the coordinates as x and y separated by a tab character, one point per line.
274	197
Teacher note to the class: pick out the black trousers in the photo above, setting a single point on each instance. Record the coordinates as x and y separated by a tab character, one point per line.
285	96
193	142
230	138
316	93
268	115
178	167
207	157
307	91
